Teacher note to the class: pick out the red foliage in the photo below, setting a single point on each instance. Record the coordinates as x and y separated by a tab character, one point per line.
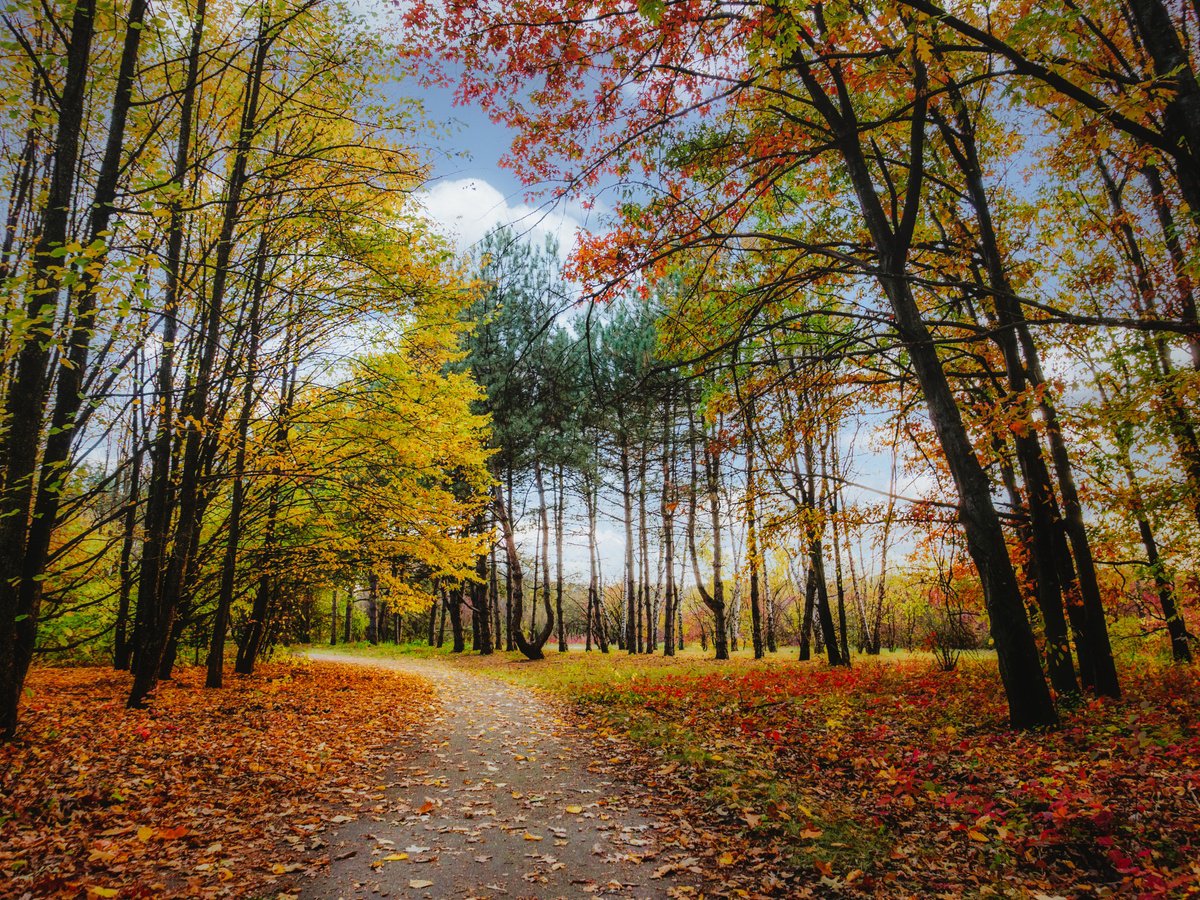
920	764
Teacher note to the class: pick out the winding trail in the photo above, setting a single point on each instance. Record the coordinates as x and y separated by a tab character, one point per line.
506	800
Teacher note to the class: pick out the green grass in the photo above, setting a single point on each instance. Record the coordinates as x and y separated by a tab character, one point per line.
577	671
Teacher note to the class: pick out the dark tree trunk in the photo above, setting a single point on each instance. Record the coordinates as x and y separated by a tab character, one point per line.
511	622
494	593
122	648
456	624
159	617
531	648
668	520
24	401
756	631
631	637
716	600
810	595
644	627
445	606
484	645
372	608
559	494
1029	701
216	647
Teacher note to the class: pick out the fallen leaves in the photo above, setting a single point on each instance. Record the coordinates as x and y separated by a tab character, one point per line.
103	801
894	779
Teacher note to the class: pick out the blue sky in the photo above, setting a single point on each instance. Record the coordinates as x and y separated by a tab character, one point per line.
470	191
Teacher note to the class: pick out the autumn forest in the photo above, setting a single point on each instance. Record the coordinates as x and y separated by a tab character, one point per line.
799	497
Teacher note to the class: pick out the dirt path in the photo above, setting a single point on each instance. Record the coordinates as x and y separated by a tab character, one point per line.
507	801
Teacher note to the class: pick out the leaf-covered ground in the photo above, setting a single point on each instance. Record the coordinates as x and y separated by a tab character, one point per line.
208	793
894	779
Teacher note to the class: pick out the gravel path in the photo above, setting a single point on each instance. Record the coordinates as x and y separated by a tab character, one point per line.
507	800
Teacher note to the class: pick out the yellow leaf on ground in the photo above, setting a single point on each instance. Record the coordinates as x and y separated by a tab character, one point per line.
395	857
532	837
725	859
574	810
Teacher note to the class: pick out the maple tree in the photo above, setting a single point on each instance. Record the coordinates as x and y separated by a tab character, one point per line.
792	155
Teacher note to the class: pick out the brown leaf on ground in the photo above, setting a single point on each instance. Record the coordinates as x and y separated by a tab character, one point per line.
206	793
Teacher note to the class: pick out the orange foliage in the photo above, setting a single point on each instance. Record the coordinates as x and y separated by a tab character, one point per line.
207	793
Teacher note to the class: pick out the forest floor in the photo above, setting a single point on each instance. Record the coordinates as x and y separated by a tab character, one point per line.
422	774
205	794
893	778
510	798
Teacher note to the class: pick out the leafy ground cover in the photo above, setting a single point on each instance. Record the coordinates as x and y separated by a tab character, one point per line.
893	778
208	793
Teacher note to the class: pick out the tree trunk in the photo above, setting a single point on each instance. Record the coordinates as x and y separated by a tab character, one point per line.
756	630
159	617
530	647
216	647
668	520
560	495
481	603
716	600
1029	701
631	637
24	401
456	624
810	595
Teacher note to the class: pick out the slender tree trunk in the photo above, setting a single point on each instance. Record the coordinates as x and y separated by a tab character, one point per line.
772	647
631	637
159	618
810	595
494	591
545	524
24	401
560	496
456	623
756	630
372	608
716	600
530	647
445	606
668	520
643	556
1029	701
511	622
122	649
216	647
433	613
481	603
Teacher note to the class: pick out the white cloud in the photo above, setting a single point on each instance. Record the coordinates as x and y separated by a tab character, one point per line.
465	209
